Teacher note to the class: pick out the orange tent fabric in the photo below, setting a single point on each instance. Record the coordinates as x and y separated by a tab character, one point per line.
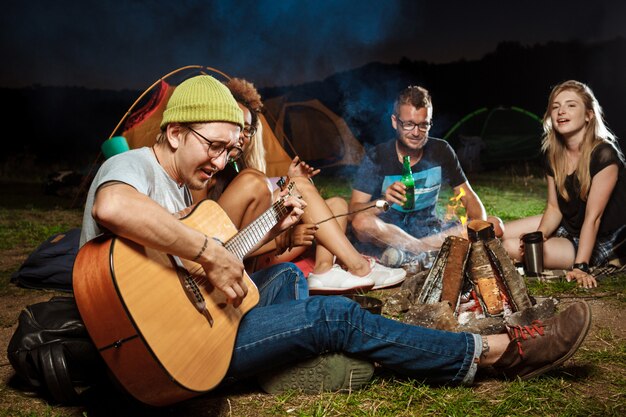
143	126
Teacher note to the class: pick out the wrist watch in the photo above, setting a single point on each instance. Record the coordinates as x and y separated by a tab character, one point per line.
583	266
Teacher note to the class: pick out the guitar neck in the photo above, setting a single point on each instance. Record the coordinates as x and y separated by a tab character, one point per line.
241	243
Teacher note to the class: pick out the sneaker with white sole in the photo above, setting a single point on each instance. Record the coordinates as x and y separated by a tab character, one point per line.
338	281
383	276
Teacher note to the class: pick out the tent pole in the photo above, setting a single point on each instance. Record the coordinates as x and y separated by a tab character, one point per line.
131	108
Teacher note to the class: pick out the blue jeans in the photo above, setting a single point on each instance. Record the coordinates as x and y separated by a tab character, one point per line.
280	283
280	331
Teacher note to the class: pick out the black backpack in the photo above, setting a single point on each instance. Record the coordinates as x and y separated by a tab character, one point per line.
52	353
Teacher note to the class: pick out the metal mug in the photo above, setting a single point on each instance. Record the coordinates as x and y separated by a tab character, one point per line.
533	253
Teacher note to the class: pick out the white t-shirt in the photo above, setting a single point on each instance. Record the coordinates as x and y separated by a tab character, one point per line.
139	169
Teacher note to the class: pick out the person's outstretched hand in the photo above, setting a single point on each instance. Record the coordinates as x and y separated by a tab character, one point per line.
299	168
583	279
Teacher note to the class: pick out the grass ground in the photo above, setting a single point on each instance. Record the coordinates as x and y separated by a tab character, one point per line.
593	382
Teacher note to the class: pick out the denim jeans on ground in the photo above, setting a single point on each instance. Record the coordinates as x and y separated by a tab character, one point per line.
280	283
280	332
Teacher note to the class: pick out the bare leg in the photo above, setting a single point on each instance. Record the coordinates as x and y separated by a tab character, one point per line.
330	234
493	348
246	197
324	259
558	253
511	240
370	228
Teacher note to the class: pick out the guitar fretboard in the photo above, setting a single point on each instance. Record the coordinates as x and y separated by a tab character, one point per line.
240	244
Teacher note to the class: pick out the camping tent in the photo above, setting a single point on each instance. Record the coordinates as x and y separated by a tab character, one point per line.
140	124
312	131
492	138
305	128
321	137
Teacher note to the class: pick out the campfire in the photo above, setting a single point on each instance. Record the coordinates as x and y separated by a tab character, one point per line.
454	206
493	278
472	285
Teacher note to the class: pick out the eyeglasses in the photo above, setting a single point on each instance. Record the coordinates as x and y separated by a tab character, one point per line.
216	149
249	131
409	126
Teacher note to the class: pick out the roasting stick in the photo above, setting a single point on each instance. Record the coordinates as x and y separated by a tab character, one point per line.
381	204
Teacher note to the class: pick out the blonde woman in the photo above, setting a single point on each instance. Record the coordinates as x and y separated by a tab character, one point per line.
583	224
245	195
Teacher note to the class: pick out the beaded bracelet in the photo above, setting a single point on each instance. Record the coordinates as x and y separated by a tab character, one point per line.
206	243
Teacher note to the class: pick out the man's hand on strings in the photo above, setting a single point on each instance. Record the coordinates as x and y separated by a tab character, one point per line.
225	272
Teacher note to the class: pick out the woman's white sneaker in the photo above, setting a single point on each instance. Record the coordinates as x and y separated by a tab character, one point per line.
338	281
383	276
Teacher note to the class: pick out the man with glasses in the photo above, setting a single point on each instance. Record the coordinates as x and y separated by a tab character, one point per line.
433	163
134	194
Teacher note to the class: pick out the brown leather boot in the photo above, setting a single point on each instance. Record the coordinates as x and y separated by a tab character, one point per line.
542	346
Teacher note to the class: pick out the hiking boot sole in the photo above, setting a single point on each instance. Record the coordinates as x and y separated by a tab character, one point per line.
325	373
569	354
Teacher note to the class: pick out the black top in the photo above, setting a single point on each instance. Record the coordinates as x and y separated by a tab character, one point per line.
574	210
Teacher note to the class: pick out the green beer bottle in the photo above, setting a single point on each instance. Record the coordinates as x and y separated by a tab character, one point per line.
407	180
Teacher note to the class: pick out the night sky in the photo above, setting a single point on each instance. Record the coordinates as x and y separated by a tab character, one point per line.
129	44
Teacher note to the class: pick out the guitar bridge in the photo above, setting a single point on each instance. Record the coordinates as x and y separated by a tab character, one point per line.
191	289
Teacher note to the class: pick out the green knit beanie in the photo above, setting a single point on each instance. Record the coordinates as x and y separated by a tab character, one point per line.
202	99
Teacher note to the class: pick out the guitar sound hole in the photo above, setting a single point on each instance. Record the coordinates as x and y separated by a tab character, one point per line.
189	286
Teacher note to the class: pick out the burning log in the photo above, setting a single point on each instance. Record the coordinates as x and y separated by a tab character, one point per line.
512	280
483	264
485	280
454	272
445	279
480	230
431	290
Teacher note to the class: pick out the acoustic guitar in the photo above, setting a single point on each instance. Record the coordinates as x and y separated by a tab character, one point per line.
164	331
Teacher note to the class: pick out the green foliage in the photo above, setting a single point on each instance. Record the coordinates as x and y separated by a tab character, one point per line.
613	285
557	395
612	350
27	228
46	412
333	187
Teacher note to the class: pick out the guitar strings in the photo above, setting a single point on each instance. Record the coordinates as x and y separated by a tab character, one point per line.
235	244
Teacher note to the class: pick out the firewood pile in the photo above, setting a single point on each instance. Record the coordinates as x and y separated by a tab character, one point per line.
472	286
